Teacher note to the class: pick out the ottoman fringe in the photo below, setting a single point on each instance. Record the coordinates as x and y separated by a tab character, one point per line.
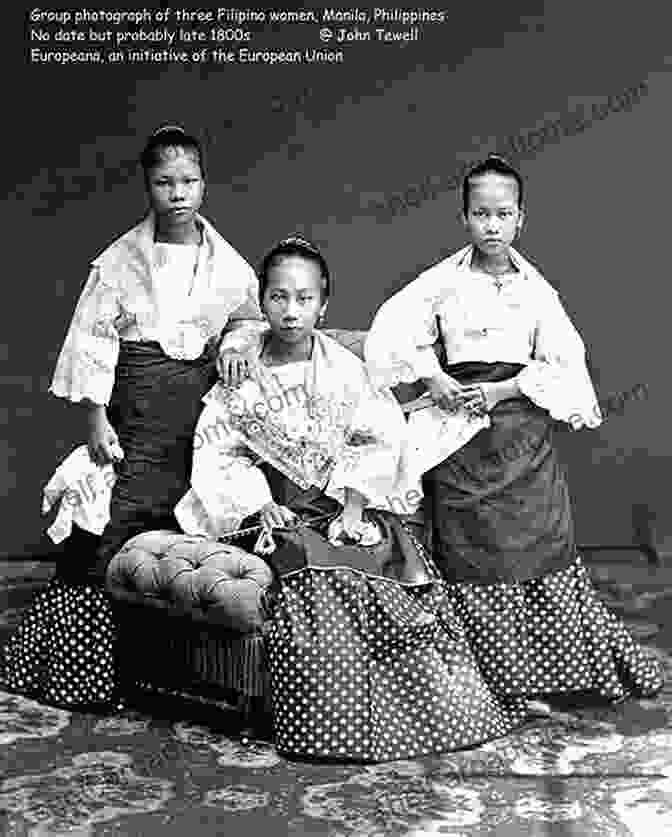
183	656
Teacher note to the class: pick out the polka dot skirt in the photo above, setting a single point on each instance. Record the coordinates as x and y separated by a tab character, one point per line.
365	669
63	651
550	636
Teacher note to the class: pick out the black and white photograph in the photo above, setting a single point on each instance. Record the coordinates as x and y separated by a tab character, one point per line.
335	493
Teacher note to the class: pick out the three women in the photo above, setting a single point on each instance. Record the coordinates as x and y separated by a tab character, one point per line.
141	352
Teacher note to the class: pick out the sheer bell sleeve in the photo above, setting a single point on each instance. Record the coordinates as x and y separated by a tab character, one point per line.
371	459
399	345
86	364
557	377
226	485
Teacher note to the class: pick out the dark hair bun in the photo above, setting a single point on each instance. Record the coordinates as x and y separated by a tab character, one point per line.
167	136
294	245
493	164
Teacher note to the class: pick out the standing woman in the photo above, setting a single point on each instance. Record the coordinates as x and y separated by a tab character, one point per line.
502	522
143	348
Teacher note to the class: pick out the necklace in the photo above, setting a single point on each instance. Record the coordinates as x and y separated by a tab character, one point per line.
495	275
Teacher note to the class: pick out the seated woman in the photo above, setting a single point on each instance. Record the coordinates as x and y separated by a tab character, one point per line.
307	437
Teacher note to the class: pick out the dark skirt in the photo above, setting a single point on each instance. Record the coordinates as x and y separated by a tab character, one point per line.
500	505
364	665
504	540
154	408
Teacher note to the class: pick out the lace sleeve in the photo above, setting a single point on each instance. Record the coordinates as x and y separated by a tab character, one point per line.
86	364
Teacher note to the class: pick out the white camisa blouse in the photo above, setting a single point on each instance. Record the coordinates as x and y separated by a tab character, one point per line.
179	295
517	318
308	407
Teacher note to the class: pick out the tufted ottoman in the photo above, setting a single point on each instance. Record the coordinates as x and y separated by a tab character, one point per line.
191	615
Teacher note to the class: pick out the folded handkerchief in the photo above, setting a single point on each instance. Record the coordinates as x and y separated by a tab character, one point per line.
83	491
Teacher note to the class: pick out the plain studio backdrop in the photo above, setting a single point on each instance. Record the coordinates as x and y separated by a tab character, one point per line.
361	156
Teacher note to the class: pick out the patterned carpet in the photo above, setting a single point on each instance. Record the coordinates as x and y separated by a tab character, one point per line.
169	766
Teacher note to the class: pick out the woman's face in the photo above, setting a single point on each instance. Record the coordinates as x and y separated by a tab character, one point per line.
493	218
175	187
293	298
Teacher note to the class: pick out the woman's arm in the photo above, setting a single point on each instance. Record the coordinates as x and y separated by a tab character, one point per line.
557	377
85	368
87	361
400	345
400	340
226	484
240	341
102	440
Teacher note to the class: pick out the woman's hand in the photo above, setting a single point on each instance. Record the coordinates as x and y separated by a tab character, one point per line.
445	391
353	510
274	516
103	442
486	396
350	525
233	367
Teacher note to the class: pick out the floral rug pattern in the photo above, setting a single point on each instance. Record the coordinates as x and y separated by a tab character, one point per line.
172	766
